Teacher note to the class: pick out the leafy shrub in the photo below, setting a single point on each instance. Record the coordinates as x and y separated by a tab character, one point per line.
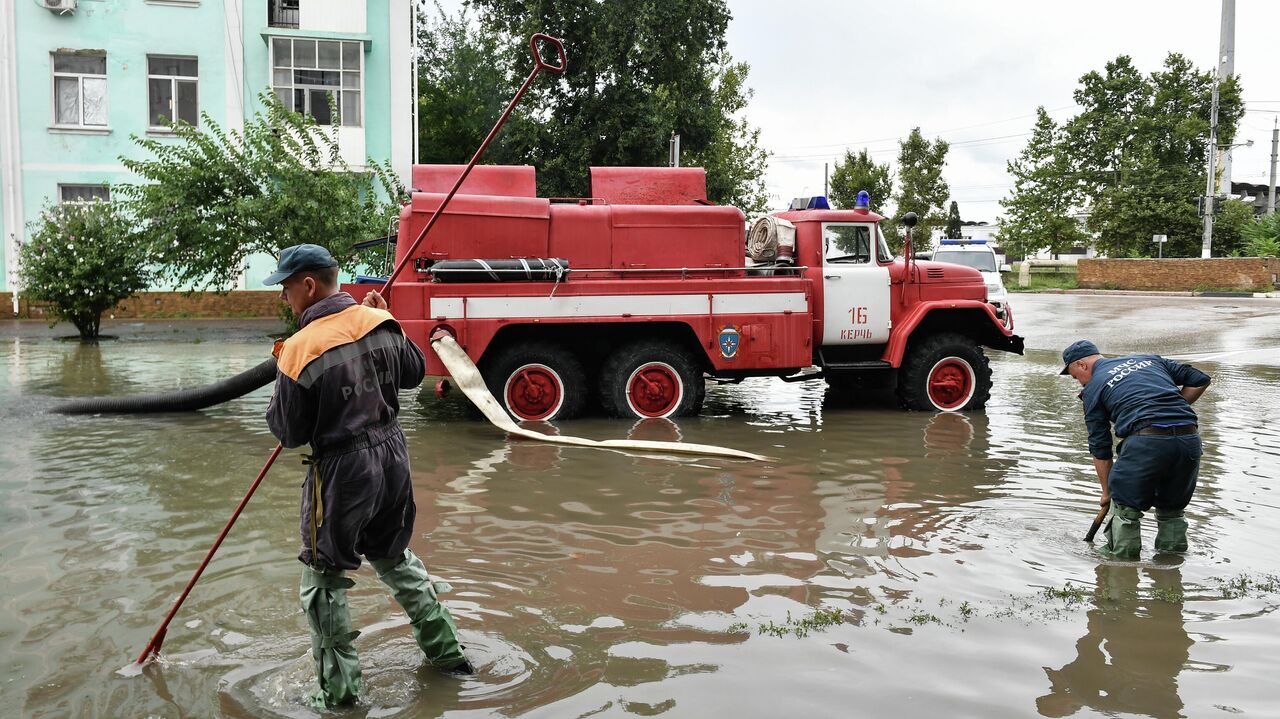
83	259
1262	238
209	198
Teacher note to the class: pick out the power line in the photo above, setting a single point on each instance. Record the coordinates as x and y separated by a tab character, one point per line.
936	134
975	142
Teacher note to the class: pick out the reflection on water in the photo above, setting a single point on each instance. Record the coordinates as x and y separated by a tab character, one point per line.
1129	659
589	581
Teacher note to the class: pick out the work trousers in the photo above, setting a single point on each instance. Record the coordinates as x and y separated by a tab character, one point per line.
357	500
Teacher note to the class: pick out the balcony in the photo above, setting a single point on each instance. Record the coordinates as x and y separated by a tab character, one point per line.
283	13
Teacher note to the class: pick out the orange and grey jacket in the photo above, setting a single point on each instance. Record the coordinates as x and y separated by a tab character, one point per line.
340	374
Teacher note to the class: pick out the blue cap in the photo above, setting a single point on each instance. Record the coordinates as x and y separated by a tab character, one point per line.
300	258
1077	350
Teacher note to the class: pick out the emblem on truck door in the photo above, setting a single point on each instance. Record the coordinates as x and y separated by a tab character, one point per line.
730	340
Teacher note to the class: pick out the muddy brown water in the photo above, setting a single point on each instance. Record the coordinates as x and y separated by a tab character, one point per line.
591	583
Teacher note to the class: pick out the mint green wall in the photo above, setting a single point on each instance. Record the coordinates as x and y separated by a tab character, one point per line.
129	30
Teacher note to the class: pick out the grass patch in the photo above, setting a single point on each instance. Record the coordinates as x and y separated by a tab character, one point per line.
923	618
1247	586
1169	596
1057	281
1069	594
820	620
1216	288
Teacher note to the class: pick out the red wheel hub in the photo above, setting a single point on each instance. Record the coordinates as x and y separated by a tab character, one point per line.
534	391
654	390
951	383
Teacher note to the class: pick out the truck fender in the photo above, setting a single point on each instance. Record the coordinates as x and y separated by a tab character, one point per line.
998	337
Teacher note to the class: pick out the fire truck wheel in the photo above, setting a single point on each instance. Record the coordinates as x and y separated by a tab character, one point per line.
537	381
944	373
651	379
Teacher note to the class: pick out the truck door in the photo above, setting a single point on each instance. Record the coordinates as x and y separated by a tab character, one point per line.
855	288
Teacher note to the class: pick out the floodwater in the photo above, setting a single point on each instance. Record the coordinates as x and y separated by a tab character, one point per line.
592	583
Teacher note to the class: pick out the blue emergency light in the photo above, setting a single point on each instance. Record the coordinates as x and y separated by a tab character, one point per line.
863	202
817	202
954	241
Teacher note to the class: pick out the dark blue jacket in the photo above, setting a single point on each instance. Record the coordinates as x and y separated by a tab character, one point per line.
1136	392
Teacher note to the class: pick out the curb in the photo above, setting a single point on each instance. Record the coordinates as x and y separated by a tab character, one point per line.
1152	293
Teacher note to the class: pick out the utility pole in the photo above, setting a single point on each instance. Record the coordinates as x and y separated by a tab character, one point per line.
1226	66
1226	69
825	165
1206	243
673	150
1275	152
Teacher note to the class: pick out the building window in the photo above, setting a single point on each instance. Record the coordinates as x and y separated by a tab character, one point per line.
79	90
84	193
306	72
173	91
282	13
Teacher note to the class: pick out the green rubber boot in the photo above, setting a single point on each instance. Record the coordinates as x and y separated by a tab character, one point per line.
323	595
432	623
1171	531
1124	533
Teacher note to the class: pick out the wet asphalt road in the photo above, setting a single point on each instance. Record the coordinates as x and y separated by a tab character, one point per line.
1227	330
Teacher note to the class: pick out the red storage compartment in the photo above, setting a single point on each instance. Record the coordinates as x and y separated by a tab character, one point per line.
478	226
653	236
649	185
503	180
581	234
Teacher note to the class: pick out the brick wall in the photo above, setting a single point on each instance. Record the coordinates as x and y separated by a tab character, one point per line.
1253	273
157	305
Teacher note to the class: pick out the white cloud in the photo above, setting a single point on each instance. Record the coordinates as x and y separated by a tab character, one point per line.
831	74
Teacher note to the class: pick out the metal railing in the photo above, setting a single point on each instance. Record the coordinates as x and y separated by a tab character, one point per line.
282	13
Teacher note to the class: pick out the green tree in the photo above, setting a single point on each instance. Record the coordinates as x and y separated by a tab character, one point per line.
859	172
637	71
1229	227
1139	146
464	84
955	227
1262	238
1045	194
921	188
83	259
211	198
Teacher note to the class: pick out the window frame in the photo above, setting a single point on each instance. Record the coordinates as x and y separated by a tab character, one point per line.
307	88
871	257
79	77
64	186
173	89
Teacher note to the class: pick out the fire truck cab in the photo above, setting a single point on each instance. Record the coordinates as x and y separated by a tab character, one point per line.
630	299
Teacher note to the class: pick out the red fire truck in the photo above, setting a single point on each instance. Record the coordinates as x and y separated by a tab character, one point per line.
630	299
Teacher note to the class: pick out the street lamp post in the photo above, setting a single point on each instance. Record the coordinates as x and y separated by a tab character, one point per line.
1206	247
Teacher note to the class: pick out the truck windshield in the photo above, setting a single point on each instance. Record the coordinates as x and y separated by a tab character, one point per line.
853	243
980	261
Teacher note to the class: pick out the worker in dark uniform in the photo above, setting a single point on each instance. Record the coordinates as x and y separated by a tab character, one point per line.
1149	399
338	390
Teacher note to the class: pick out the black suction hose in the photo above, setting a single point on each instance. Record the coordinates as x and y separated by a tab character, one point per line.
185	400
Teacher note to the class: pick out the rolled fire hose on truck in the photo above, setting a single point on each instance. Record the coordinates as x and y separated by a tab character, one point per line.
771	240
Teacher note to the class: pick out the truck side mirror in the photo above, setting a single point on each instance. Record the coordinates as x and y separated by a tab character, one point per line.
910	219
1006	268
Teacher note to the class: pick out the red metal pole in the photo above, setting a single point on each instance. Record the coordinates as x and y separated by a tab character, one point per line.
538	66
153	647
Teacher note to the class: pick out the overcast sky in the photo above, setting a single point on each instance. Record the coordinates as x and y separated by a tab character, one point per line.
831	75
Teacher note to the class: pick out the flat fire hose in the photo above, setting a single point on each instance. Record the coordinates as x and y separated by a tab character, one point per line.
467	376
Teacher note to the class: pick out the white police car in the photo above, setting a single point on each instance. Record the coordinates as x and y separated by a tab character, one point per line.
978	255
